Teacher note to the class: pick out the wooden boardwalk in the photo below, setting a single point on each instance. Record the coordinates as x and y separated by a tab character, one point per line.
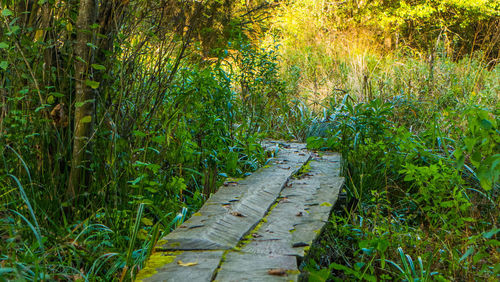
256	229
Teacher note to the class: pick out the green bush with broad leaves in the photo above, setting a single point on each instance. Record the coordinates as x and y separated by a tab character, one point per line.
420	204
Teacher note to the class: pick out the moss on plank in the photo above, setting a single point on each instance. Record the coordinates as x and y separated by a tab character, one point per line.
156	260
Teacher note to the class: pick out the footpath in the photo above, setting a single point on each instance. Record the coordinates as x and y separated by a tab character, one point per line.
256	229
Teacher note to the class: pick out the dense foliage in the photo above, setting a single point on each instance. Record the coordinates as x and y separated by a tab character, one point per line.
167	126
417	209
119	118
418	131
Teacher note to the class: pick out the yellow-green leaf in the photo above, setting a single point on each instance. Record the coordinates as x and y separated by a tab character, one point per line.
86	119
92	84
69	27
79	104
98	67
142	234
4	65
186	263
146	221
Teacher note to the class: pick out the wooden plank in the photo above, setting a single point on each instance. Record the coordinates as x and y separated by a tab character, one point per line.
270	252
290	227
235	209
185	266
301	214
256	267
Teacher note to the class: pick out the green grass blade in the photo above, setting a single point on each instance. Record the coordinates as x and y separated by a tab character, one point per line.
407	271
28	204
35	231
136	227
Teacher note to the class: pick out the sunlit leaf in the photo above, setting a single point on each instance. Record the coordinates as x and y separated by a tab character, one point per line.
79	104
186	263
142	234
146	221
86	119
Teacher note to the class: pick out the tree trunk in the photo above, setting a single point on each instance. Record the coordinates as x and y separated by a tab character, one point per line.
111	16
84	98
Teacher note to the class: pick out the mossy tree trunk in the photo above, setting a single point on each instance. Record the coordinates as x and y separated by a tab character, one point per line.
84	98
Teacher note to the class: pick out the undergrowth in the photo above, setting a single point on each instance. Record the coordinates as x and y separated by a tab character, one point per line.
149	171
422	185
182	104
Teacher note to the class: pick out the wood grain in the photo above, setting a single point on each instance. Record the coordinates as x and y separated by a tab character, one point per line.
258	228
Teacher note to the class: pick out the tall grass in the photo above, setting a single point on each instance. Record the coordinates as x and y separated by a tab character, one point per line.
408	124
402	124
149	172
395	112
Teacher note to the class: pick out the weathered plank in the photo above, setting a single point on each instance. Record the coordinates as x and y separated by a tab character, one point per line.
305	207
235	209
211	242
290	227
256	267
185	266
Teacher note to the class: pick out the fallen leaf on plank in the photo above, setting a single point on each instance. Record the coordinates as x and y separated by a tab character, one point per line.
284	200
238	214
277	272
300	244
187	263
